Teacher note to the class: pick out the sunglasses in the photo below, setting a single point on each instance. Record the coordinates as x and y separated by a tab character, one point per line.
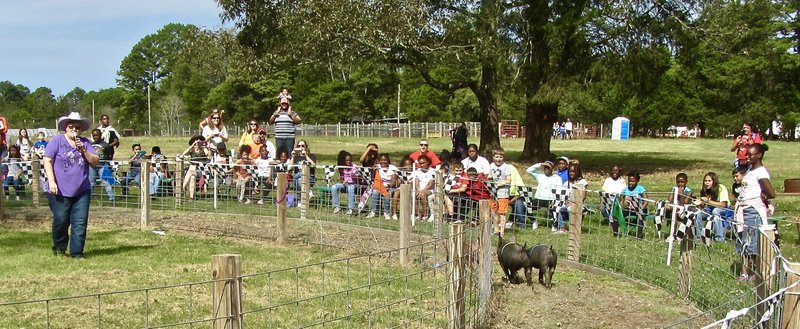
253	124
214	118
423	144
74	127
301	145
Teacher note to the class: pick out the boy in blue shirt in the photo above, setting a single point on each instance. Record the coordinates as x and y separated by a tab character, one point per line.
634	189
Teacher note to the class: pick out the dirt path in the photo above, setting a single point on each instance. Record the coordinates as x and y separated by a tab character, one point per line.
582	299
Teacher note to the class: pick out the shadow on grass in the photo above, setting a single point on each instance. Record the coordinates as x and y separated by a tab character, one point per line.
108	251
644	162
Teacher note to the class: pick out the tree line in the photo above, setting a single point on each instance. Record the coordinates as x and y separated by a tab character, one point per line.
713	64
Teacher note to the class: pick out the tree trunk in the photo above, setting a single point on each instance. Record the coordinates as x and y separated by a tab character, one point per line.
539	119
489	115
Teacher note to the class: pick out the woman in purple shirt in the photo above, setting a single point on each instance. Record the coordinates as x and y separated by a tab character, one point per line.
66	162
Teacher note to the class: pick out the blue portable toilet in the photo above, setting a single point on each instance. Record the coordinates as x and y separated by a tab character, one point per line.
620	129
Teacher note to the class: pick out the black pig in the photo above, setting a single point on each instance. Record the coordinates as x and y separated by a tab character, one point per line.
545	259
512	257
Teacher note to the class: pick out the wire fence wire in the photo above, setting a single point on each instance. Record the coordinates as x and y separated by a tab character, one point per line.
373	289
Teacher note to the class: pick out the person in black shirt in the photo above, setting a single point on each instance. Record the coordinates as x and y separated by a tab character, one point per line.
102	173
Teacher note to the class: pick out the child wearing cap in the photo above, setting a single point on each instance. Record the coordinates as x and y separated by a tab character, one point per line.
546	180
562	163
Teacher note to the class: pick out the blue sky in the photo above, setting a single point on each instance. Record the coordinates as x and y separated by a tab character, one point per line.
63	44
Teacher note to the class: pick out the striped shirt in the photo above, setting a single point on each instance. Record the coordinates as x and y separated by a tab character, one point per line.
284	126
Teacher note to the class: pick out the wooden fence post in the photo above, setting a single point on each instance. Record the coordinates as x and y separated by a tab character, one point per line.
763	266
405	222
36	166
438	206
144	185
281	215
226	310
456	277
791	302
575	224
685	265
484	261
305	190
178	182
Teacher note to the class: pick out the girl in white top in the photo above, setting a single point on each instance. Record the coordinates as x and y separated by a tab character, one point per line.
752	207
388	176
543	173
473	160
25	145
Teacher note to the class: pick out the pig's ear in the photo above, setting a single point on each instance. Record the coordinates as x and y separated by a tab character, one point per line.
525	246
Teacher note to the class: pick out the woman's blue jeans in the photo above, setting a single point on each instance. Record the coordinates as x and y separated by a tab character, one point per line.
70	214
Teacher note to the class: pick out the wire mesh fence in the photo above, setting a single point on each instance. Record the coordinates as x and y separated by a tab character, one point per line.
374	290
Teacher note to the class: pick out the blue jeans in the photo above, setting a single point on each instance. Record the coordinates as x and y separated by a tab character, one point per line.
563	213
298	181
351	194
133	176
519	212
287	143
155	181
94	179
719	227
70	213
387	201
747	240
18	184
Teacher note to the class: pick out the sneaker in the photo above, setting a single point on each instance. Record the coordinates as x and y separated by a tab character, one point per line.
431	218
534	225
336	210
386	217
509	225
553	229
17	197
260	202
457	221
349	212
371	215
310	194
743	277
394	216
247	201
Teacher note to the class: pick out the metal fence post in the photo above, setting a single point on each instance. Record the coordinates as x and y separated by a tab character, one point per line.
281	215
144	185
456	277
438	206
226	309
405	222
305	188
178	182
484	261
575	224
2	204
36	166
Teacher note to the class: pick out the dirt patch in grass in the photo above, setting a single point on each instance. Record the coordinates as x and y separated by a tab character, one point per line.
581	299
